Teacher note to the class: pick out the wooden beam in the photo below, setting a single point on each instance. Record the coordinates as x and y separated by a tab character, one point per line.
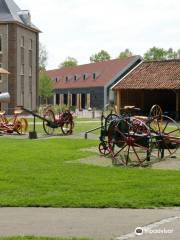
118	101
177	105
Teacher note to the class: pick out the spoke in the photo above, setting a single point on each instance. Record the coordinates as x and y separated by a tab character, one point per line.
137	145
168	149
165	126
117	129
158	126
173	131
136	153
120	150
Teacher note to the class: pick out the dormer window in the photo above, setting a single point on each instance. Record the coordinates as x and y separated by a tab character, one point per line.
84	76
94	76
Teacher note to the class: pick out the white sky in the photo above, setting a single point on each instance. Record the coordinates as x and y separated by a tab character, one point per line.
80	28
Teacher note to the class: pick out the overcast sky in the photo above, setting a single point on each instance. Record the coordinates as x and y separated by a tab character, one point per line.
79	28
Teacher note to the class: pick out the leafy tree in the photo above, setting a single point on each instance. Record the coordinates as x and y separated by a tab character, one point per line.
178	54
45	86
43	56
126	53
155	54
100	56
171	54
69	62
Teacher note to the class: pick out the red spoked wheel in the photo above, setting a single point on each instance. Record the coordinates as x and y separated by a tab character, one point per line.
67	127
130	139
49	115
104	148
165	136
67	123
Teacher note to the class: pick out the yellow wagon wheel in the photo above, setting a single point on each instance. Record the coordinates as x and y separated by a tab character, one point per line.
22	126
155	115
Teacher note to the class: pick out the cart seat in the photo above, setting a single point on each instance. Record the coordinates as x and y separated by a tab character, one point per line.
2	113
129	107
18	111
142	118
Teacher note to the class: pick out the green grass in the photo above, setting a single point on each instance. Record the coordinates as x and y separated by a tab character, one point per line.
40	238
36	173
81	126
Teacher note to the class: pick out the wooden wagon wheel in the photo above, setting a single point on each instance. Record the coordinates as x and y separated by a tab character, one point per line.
67	124
154	114
49	115
165	136
21	126
130	140
155	111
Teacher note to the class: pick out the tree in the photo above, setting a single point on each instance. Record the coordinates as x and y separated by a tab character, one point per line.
126	53
155	54
100	56
69	62
171	54
43	56
45	87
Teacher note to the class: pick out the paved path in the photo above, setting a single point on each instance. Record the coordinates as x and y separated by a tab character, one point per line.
100	224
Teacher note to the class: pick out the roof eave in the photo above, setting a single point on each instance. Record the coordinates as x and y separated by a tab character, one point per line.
22	25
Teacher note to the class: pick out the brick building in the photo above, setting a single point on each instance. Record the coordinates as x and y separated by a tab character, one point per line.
19	42
88	86
153	82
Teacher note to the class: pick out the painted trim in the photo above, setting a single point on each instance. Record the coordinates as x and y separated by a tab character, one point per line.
119	75
126	75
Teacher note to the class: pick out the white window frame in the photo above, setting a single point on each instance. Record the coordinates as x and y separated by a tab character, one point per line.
30	44
30	71
22	70
0	74
22	41
1	43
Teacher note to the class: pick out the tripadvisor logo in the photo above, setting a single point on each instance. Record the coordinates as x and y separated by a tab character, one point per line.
139	231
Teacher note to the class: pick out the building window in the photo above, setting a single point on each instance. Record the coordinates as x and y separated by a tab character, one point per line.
94	76
30	84
30	71
31	99
0	43
84	76
22	69
22	41
30	44
66	79
22	83
22	98
30	57
0	74
22	55
75	78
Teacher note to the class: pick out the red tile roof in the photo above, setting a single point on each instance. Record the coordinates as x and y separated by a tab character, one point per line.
153	75
105	71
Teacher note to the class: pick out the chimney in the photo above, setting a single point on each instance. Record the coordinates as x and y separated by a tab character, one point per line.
25	17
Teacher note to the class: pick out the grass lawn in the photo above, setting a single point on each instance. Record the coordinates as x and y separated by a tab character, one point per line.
36	173
81	126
